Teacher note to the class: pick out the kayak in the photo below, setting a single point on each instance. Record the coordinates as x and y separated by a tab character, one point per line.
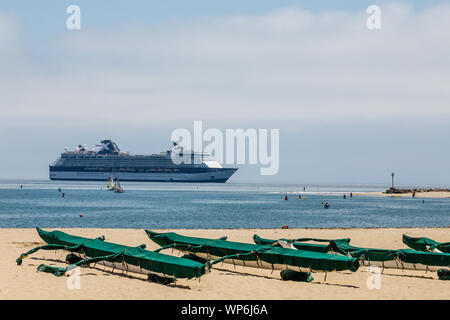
116	256
252	255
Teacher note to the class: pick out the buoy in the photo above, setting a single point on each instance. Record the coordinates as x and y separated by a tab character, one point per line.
81	216
285	197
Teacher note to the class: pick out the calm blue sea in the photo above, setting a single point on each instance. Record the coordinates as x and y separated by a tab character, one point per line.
230	205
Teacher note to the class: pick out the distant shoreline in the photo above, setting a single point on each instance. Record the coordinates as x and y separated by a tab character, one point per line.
420	195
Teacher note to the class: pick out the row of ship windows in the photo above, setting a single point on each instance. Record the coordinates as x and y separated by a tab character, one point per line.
134	158
137	170
121	164
113	159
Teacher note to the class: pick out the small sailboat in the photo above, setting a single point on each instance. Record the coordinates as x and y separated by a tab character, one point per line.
110	186
117	187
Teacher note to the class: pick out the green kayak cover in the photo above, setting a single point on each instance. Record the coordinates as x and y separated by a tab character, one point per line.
299	243
370	254
342	246
98	250
252	252
425	258
403	255
426	244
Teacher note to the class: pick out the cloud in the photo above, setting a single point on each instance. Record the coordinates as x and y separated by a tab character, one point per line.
289	64
11	53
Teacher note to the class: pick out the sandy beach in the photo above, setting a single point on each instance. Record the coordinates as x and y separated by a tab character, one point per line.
23	282
420	195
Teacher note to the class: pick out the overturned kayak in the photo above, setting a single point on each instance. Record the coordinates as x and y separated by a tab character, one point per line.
116	256
252	255
390	259
426	244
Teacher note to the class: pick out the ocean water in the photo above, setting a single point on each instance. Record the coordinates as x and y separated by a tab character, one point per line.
230	205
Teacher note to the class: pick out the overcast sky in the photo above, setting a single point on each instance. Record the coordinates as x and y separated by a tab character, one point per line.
352	104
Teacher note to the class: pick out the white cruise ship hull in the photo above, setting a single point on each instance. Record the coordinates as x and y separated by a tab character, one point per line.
216	176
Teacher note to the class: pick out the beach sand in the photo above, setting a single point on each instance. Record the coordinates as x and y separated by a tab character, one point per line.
23	282
420	195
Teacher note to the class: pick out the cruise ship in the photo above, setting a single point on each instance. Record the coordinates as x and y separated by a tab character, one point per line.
107	161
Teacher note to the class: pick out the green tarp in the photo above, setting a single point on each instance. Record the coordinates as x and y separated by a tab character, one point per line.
300	243
343	247
97	250
370	254
425	258
426	244
403	255
251	252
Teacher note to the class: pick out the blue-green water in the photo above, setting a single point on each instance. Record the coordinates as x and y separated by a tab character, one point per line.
231	205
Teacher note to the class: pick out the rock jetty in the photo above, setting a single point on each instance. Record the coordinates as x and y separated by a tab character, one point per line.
416	190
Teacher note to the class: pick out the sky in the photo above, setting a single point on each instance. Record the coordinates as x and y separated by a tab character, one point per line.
352	104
